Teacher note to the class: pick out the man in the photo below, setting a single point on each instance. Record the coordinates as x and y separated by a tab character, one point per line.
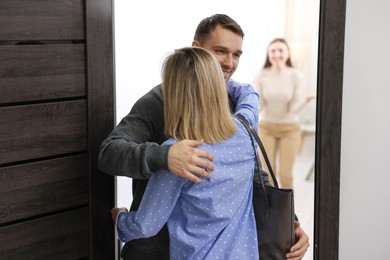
133	148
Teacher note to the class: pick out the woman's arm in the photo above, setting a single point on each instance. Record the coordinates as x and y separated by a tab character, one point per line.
247	101
299	100
160	197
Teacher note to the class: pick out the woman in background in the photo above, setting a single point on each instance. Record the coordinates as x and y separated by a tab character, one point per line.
212	219
282	98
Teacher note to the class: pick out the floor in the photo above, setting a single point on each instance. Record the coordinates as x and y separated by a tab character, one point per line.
304	189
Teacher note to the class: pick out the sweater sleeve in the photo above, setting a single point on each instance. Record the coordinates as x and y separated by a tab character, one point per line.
298	101
133	148
257	84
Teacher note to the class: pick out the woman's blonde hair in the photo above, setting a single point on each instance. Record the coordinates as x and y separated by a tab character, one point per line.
195	98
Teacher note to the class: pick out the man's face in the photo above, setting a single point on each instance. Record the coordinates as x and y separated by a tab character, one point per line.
226	46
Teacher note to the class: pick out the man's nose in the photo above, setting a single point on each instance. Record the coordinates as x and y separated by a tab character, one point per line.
228	60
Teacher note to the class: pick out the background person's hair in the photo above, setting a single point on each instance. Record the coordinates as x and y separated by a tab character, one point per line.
195	98
208	24
268	64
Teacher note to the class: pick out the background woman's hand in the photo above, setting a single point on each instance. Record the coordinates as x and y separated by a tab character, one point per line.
310	97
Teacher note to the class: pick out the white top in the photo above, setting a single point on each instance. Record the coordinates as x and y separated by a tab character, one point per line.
281	94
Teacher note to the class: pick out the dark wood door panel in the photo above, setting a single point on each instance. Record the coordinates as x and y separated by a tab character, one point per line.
42	187
41	130
61	236
41	72
56	106
41	19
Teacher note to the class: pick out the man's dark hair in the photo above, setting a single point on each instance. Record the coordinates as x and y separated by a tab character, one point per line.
208	24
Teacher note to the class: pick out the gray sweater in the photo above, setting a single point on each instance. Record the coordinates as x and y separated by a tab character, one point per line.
133	148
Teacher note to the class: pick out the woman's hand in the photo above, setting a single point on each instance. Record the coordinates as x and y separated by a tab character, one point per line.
115	212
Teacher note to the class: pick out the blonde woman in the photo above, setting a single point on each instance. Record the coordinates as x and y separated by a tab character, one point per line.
282	98
212	219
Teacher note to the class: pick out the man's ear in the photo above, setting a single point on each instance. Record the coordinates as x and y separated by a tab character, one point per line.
195	44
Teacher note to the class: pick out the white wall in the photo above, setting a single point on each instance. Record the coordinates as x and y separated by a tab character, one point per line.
365	144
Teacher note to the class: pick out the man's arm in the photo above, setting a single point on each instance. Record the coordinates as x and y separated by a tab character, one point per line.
298	251
133	148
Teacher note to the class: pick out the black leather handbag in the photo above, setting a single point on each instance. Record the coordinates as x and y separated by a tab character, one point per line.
273	207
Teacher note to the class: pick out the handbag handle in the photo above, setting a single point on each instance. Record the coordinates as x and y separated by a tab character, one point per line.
253	134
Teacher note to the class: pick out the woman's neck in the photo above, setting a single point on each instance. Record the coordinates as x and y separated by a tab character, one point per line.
279	66
277	69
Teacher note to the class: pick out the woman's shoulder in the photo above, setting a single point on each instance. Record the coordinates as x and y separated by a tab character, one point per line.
241	132
170	141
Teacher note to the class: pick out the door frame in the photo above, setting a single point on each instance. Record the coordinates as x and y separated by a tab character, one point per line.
328	129
101	121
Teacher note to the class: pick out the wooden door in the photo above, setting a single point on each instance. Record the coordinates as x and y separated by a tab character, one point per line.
56	106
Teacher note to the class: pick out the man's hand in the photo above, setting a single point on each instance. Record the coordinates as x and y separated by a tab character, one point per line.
298	250
185	160
115	212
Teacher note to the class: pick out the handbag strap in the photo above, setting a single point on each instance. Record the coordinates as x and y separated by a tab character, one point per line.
252	132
